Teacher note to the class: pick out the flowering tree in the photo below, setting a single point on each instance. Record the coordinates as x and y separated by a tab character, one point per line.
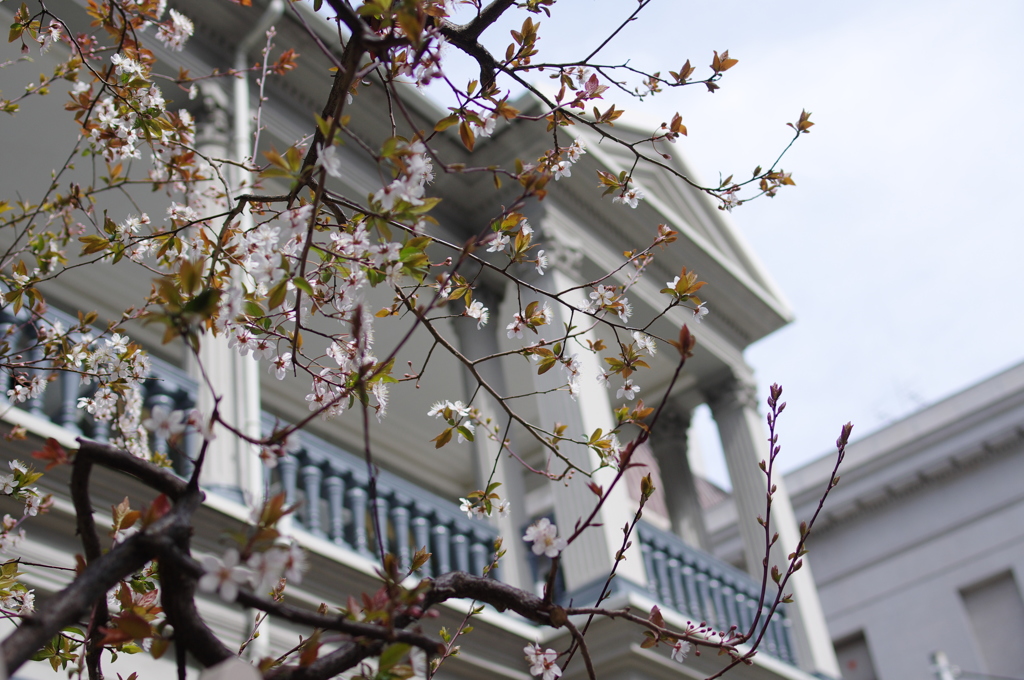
269	254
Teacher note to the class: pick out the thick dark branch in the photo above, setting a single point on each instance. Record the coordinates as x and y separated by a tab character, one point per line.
70	605
91	547
472	47
178	597
466	38
161	479
488	15
339	623
501	596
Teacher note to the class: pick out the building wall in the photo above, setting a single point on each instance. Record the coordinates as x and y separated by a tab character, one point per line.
925	550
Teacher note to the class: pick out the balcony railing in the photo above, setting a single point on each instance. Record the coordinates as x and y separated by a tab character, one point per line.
167	386
332	487
706	589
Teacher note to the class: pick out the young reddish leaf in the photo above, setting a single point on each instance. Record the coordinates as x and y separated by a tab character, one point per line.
160	506
53	453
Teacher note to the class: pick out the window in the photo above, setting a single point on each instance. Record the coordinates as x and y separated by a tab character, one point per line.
996	614
855	659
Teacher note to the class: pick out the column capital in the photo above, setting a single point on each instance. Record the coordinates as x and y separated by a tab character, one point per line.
211	111
733	393
673	423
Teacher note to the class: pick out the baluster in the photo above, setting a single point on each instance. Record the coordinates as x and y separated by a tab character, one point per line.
692	595
357	502
460	546
382	523
744	612
312	479
400	521
442	548
707	606
288	467
675	576
731	613
67	416
771	638
155	400
479	553
718	604
664	591
786	640
100	430
647	551
421	539
335	485
183	462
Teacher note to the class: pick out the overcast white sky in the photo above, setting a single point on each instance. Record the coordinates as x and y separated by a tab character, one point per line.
900	248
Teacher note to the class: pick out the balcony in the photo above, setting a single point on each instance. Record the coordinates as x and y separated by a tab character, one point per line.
332	490
706	589
332	487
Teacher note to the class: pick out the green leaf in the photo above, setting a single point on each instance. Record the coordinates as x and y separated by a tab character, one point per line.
391	655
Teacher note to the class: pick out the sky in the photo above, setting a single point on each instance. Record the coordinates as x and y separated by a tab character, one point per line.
899	248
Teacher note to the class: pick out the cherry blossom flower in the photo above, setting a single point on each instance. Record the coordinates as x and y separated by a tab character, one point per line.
729	200
223	577
645	342
498	243
330	160
542	262
515	329
465	426
562	169
181	213
201	424
7	484
630	197
473	510
542	662
577	149
700	312
280	365
267	568
628	390
295	563
48	37
175	31
679	650
380	393
477	311
544	536
603	295
164	423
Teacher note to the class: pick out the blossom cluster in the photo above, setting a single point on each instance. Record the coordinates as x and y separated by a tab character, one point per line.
119	367
542	662
18	486
415	171
262	570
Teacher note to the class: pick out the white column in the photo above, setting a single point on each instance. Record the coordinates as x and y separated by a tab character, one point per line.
745	444
232	467
592	555
668	440
475	343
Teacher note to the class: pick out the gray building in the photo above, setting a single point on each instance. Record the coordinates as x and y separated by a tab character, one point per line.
920	548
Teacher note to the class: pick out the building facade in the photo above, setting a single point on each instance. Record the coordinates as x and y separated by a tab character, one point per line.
670	562
919	554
